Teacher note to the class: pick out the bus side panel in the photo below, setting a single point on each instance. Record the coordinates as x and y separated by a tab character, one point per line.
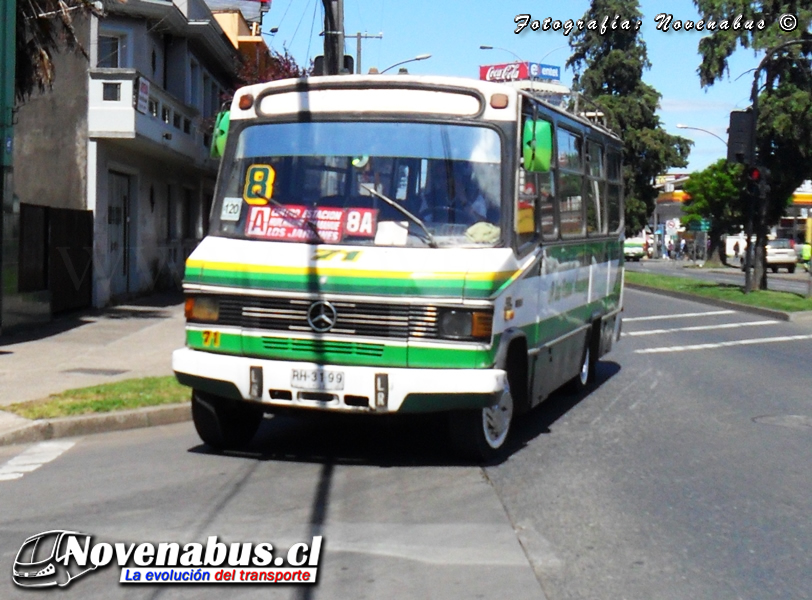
556	364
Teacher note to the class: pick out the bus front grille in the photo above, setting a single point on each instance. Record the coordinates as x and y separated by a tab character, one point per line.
364	319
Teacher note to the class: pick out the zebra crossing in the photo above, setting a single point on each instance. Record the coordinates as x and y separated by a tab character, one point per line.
710	329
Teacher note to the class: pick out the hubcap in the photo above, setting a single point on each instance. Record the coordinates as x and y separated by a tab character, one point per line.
496	420
584	376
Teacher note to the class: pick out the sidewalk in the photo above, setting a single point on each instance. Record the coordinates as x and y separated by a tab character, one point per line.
89	348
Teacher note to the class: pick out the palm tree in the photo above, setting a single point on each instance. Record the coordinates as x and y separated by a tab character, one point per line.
45	27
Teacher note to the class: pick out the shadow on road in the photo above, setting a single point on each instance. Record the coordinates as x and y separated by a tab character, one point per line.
539	420
391	440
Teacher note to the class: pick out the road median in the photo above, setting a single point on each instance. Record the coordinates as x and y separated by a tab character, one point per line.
18	430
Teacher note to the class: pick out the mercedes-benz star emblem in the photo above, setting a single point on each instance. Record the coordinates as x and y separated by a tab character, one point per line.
321	316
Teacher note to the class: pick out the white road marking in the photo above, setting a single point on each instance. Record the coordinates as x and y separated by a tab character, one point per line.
774	340
699	328
32	459
680	316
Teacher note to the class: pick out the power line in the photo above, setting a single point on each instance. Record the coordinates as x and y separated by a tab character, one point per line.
300	22
286	13
312	24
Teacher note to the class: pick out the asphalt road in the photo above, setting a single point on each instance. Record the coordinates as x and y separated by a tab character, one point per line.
797	283
686	473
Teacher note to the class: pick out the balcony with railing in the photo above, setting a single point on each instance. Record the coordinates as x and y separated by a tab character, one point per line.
125	104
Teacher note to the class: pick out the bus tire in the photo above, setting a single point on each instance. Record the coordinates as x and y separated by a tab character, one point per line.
589	360
222	423
480	435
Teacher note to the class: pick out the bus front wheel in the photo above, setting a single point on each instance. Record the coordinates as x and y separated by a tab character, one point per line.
222	423
481	434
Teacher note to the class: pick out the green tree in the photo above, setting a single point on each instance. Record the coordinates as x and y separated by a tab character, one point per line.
784	128
609	67
715	194
45	27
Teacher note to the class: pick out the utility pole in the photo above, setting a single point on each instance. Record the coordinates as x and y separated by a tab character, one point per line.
333	36
8	60
358	37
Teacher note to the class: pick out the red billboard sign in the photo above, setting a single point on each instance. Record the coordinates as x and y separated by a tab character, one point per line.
506	72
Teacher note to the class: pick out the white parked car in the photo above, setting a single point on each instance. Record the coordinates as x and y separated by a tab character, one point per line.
780	255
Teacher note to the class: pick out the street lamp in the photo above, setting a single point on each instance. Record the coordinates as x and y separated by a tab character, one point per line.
484	47
553	50
681	126
403	62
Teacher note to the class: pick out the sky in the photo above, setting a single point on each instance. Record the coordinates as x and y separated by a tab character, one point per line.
453	31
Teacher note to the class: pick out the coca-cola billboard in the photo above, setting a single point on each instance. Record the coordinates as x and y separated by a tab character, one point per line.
507	72
516	71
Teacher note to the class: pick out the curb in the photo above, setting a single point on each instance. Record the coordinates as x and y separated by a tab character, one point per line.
49	429
795	317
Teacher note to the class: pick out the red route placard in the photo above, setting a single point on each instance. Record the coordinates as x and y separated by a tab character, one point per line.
273	223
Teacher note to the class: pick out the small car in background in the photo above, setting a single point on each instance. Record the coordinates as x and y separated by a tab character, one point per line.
780	254
634	248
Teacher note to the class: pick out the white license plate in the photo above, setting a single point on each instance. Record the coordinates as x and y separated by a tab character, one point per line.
313	379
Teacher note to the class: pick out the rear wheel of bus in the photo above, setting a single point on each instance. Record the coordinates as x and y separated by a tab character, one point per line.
223	423
481	434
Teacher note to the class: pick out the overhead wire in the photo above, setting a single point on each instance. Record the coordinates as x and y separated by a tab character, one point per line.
285	14
310	40
300	22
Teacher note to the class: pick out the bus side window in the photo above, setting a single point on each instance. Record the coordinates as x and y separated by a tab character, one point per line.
571	180
546	203
595	212
613	192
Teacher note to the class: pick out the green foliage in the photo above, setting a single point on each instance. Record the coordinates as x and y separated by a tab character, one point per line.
609	70
716	193
784	129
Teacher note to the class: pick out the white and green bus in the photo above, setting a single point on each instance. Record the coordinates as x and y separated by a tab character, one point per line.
402	244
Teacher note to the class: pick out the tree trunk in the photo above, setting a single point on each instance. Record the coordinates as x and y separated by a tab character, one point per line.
715	254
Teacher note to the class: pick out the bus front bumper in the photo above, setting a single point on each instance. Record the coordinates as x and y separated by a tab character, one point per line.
283	384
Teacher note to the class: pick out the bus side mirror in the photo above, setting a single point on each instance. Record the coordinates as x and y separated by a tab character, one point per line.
220	133
537	146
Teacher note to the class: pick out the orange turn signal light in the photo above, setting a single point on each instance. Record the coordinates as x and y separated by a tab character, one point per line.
481	325
499	101
246	101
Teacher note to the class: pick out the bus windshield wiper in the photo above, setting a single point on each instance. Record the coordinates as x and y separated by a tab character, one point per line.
298	221
417	220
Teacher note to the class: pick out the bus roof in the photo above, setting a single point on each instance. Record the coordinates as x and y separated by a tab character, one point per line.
415	94
429	95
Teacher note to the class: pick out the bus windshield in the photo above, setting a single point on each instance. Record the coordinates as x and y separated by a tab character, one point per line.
363	183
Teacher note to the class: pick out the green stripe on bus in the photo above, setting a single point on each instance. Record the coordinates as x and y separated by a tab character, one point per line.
399	285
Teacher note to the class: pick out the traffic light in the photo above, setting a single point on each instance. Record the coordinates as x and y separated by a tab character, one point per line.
757	178
741	137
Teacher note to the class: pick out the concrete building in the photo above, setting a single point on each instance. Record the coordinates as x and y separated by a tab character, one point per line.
121	143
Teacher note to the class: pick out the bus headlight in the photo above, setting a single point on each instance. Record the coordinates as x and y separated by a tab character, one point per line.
202	308
459	324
